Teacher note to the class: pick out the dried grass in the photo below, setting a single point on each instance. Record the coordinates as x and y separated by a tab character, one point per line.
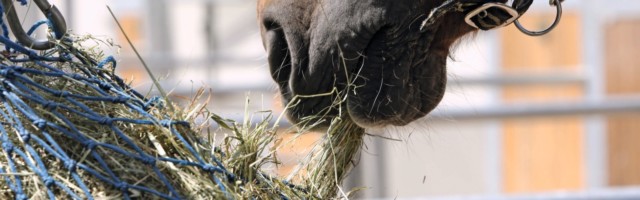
247	146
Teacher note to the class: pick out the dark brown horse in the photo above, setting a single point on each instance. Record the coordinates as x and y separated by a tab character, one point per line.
372	51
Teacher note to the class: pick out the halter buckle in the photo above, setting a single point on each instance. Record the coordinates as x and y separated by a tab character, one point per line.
482	12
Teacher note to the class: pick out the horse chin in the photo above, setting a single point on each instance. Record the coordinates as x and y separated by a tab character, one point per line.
397	96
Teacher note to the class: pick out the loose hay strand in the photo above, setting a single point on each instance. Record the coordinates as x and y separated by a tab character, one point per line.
144	64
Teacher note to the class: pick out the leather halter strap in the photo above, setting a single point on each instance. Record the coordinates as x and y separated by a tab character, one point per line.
488	14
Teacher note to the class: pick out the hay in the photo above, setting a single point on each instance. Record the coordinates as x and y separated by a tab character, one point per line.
183	161
332	161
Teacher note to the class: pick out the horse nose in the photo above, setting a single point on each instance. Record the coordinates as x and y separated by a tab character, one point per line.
277	48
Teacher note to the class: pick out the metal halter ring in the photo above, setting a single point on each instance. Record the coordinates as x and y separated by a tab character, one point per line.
524	30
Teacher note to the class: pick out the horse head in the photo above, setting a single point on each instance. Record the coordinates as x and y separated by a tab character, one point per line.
370	56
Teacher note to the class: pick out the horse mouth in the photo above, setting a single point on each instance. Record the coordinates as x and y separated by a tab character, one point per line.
394	85
383	81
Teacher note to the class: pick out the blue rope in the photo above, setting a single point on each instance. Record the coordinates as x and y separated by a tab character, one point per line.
19	94
18	86
38	145
37	25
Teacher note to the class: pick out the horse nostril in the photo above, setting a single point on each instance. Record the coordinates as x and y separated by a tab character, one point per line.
278	53
270	25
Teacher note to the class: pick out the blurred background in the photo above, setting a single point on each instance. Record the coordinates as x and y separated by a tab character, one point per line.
523	116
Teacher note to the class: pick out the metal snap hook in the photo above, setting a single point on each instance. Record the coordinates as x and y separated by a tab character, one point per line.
524	30
51	12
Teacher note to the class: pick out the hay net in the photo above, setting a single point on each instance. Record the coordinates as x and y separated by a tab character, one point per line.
70	128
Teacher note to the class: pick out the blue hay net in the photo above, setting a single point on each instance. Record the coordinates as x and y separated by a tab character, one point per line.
40	135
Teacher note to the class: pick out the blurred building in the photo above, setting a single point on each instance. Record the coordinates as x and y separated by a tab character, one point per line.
522	114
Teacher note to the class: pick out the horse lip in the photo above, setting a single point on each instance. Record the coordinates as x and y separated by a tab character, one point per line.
370	49
308	107
378	105
384	99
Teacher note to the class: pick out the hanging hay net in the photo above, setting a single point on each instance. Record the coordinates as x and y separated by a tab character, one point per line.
70	128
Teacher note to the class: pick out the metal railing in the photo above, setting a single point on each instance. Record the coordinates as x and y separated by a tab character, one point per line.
631	193
608	106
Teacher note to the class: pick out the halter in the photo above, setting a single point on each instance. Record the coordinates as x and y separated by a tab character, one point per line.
485	15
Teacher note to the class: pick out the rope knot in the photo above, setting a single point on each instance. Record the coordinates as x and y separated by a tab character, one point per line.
71	166
66	57
40	123
120	99
154	102
91	145
7	73
33	55
122	186
166	123
104	86
76	76
25	137
48	181
8	147
106	121
64	94
209	168
148	160
51	106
